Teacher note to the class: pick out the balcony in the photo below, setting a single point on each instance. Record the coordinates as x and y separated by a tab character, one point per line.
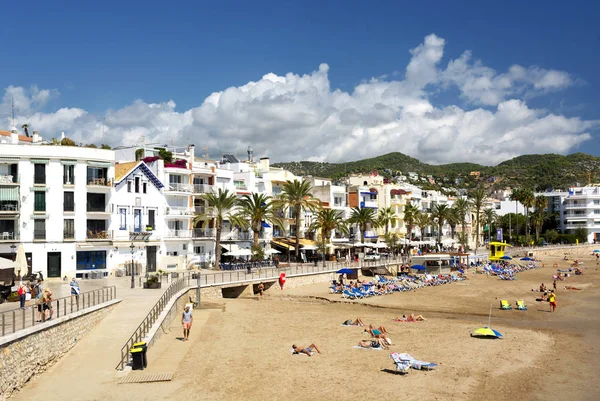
370	204
98	235
236	236
179	187
204	210
178	234
9	207
39	235
178	212
204	188
8	180
99	211
204	233
397	201
68	235
8	235
95	184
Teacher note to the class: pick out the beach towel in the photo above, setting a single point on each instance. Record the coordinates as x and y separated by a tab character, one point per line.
301	353
415	363
375	349
401	366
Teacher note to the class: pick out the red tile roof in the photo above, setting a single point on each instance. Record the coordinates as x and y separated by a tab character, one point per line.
22	138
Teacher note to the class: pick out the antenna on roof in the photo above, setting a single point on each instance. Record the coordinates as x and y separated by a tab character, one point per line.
12	112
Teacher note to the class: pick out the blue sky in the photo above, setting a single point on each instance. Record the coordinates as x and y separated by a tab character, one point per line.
100	57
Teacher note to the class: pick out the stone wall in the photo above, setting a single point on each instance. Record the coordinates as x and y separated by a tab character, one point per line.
554	252
38	348
299	281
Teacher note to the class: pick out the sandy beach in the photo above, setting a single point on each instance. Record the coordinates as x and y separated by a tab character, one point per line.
243	349
240	348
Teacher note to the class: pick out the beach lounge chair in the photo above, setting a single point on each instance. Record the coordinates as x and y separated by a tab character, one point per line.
402	367
504	305
349	295
521	305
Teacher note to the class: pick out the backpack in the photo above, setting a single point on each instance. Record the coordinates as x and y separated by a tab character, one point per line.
38	291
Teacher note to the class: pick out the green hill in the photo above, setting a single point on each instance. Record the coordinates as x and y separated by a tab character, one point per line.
539	172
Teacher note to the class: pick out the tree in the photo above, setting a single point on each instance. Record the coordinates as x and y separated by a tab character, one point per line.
453	220
477	198
423	219
489	219
581	234
385	218
539	215
222	204
410	214
67	142
552	236
295	195
528	200
105	146
255	209
462	206
328	220
363	218
439	214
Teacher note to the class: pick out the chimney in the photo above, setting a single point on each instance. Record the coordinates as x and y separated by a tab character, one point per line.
14	136
191	150
36	138
264	164
250	154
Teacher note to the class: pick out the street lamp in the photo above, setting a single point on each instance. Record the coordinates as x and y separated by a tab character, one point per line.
132	247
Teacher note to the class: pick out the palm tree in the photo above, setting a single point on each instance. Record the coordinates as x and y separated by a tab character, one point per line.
362	218
439	214
489	219
453	220
254	210
222	203
296	195
386	216
528	201
328	220
422	220
477	197
410	213
462	206
539	215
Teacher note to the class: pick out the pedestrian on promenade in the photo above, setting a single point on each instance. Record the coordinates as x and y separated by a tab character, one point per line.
47	299
552	300
21	291
38	292
75	290
186	321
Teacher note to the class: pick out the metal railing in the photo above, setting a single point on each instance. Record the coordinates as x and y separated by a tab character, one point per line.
144	327
18	319
178	234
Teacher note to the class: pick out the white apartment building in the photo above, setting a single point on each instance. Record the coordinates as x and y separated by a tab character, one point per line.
55	202
332	197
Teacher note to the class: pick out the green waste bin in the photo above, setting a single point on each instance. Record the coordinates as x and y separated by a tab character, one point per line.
144	347
137	356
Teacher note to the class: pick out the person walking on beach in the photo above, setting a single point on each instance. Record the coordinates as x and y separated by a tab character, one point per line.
186	321
552	300
261	289
554	285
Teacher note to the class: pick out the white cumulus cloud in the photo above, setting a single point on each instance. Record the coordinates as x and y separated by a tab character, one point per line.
301	117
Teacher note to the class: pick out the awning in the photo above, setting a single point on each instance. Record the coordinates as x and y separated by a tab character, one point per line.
232	248
39	216
283	245
9	159
265	225
40	161
40	188
68	162
398	192
9	193
98	164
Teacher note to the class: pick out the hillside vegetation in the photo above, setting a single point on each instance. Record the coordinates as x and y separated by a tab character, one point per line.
539	172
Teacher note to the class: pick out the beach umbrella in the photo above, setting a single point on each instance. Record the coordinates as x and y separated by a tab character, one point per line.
486	332
526	258
6	264
461	271
21	262
506	257
596	250
418	267
345	271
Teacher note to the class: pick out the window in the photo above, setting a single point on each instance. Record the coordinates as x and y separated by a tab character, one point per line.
151	217
69	202
199	249
137	220
39	229
137	185
122	218
96	202
596	201
68	174
97	175
128	186
39	173
145	187
69	229
91	260
97	229
39	201
184	247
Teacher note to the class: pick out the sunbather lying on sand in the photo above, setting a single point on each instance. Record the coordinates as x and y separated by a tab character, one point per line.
305	350
375	343
357	322
376	331
410	318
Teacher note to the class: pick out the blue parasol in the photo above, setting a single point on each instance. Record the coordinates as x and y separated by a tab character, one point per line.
418	267
526	258
506	257
346	271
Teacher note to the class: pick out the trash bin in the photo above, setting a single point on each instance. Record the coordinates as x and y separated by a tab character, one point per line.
137	355
144	348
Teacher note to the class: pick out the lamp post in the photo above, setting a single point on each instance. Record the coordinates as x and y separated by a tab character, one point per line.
132	247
